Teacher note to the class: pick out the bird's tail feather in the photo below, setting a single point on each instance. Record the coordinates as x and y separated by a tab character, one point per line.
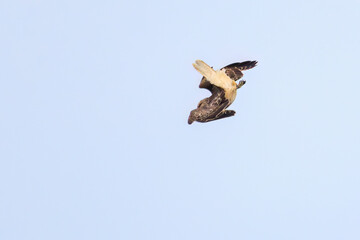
207	72
204	69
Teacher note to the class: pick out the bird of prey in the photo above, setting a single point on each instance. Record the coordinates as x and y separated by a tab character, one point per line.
223	87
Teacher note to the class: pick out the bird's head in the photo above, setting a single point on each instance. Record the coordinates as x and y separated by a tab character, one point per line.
192	116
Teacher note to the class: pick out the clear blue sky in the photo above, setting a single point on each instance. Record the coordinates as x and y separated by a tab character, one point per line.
94	140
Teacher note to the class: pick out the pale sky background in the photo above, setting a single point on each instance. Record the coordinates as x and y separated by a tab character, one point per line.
94	140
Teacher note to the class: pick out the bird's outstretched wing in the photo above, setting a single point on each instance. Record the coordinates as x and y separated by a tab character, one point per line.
234	70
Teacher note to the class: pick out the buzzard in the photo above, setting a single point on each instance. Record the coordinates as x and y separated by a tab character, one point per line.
223	89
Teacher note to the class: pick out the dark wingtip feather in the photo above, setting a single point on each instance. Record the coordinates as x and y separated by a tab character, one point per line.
242	65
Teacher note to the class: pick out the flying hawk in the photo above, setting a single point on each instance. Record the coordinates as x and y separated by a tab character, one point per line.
223	88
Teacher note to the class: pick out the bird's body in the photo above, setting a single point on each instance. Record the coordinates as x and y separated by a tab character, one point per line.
223	87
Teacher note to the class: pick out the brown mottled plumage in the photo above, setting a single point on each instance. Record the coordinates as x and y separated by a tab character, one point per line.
223	88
